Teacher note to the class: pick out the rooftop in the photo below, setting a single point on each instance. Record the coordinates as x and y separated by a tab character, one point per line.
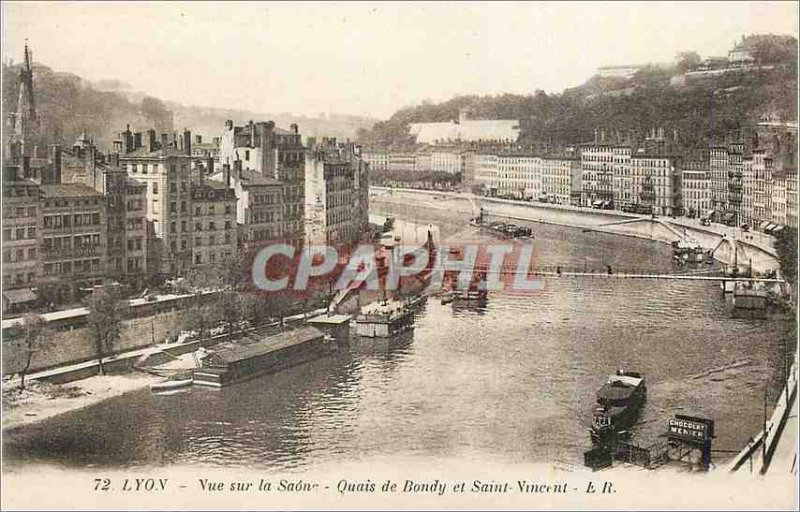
68	190
143	152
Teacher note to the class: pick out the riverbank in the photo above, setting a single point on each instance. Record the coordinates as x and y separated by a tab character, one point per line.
41	401
729	244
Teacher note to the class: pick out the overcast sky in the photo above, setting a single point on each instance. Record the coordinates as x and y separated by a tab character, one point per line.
367	58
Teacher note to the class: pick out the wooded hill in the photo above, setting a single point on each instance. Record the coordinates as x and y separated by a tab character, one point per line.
698	107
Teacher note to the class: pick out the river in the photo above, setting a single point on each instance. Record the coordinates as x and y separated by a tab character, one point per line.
512	382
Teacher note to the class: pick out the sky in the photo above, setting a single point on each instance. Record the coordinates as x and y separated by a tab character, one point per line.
367	58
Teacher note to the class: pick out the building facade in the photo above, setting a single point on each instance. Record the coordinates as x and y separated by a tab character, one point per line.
74	238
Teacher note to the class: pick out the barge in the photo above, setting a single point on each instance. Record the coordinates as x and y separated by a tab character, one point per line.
237	362
619	401
385	319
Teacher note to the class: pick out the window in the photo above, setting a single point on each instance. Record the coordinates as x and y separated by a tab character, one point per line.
198	258
144	168
172	187
198	226
247	154
197	210
183	245
198	241
138	244
183	226
172	207
183	206
172	227
155	188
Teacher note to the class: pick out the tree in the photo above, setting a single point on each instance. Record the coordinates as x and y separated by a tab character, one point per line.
686	61
786	247
36	337
231	308
106	312
201	317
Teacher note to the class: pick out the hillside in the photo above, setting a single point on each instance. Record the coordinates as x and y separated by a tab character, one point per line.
68	105
697	106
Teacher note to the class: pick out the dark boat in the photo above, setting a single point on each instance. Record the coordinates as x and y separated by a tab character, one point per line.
619	401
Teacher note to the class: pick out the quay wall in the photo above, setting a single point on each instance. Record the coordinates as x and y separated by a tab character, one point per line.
737	245
77	344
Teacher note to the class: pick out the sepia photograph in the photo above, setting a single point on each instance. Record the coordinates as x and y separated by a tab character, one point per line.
399	255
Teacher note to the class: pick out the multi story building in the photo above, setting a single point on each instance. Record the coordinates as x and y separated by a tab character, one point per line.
165	169
486	173
377	160
74	238
558	175
778	200
791	198
273	153
126	199
597	173
696	185
718	172
519	176
736	202
423	161
657	183
214	221
22	238
449	161
402	161
762	187
336	212
259	206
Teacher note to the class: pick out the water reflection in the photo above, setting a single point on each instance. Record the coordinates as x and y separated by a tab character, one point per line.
513	380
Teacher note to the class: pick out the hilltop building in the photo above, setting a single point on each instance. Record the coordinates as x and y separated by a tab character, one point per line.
466	130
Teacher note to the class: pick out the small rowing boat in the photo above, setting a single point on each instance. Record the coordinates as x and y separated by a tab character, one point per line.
169	385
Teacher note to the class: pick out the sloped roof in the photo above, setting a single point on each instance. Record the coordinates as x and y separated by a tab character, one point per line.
68	190
234	353
159	153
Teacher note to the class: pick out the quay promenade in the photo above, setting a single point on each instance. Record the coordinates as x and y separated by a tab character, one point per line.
731	244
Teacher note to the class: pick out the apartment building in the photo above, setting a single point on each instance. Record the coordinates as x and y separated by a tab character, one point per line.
276	154
22	237
656	182
165	169
213	222
696	193
336	208
74	238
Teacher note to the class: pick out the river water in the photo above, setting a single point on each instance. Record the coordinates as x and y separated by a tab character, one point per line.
513	382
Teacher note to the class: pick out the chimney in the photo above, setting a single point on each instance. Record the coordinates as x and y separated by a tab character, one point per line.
237	169
252	128
26	166
294	128
229	125
55	162
127	139
210	165
113	159
151	140
187	142
175	141
198	139
215	141
137	140
226	175
164	140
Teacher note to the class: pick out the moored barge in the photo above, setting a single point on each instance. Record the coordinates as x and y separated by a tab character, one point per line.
619	401
385	319
237	362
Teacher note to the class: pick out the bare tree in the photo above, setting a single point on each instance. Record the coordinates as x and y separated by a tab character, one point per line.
36	337
106	312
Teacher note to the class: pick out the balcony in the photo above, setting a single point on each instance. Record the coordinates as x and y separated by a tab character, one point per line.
69	254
